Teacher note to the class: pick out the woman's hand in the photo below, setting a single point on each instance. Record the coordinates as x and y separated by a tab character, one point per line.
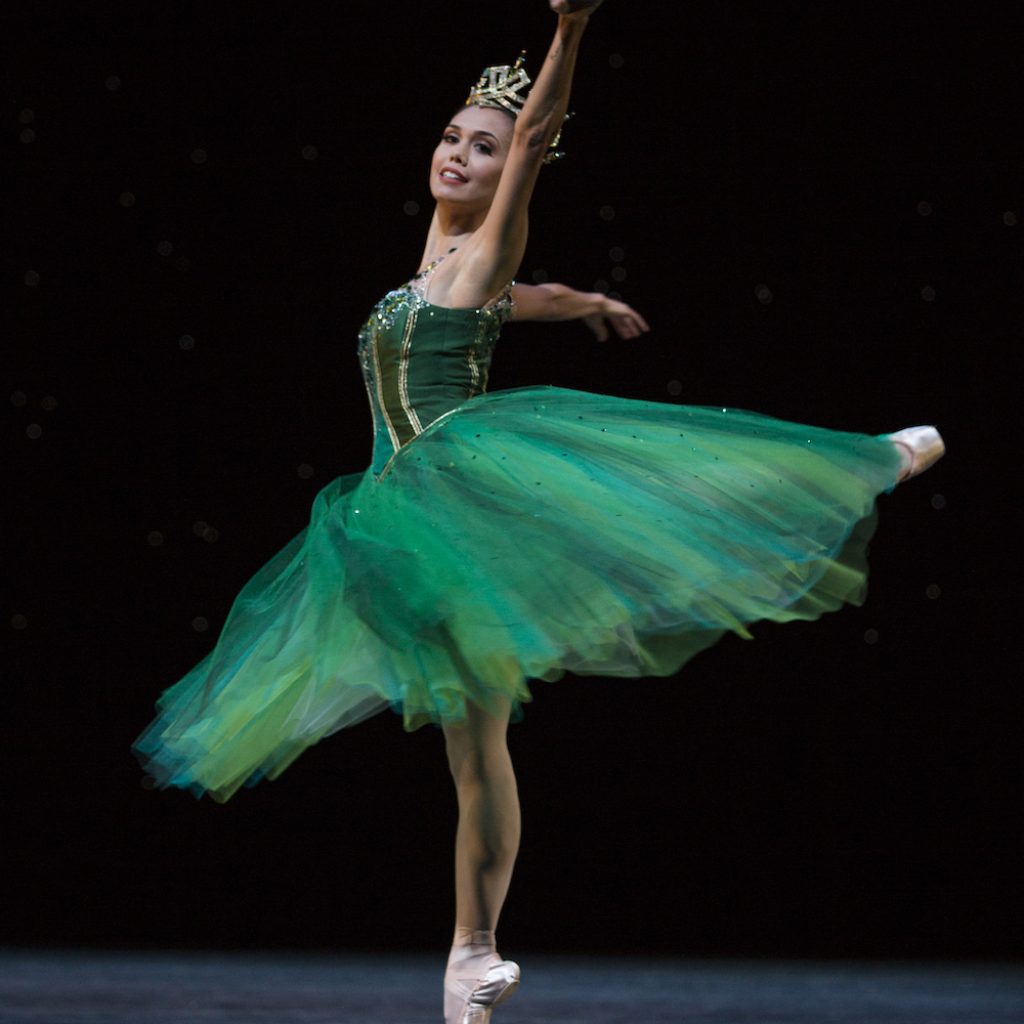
553	301
624	320
568	7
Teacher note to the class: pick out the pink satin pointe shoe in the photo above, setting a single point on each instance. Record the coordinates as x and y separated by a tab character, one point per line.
476	981
922	446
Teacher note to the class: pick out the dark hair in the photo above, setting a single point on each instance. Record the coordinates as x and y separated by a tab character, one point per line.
500	110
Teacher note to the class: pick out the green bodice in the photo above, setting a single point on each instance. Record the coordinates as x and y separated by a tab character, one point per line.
421	362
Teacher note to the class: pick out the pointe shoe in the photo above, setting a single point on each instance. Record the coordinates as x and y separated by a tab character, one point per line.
923	445
469	1002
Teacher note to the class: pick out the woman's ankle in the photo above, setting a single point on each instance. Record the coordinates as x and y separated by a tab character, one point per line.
473	937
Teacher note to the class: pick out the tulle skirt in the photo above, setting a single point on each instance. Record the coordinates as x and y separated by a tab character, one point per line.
530	532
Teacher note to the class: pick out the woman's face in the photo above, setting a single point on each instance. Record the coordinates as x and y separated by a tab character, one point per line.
469	159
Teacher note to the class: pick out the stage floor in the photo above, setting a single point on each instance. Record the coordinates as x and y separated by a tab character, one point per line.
79	987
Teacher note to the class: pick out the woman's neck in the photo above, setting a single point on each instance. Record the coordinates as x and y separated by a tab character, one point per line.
449	228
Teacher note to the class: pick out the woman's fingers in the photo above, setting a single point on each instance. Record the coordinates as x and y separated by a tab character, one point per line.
596	323
623	319
574	6
626	327
616	307
628	323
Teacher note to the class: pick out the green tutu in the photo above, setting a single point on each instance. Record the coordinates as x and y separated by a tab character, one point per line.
524	534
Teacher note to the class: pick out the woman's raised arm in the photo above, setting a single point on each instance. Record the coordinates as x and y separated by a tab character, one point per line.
493	256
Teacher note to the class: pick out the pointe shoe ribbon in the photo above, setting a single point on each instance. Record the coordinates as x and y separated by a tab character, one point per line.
923	445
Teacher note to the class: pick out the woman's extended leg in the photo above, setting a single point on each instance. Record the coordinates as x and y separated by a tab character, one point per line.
486	844
920	448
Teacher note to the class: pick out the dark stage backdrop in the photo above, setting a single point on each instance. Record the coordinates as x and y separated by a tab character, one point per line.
819	210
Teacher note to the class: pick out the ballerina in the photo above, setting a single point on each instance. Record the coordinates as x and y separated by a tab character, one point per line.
504	536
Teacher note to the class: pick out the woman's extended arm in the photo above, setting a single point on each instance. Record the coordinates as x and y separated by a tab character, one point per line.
595	309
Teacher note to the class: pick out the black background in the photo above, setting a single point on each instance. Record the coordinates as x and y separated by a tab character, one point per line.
847	787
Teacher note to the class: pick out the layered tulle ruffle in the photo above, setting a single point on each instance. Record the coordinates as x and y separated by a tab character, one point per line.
528	533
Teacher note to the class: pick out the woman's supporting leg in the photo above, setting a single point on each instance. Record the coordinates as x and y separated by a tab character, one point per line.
487	839
486	844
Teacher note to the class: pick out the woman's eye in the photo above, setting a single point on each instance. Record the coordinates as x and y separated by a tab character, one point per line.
484	148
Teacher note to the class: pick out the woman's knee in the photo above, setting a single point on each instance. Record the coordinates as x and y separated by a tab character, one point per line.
477	747
474	756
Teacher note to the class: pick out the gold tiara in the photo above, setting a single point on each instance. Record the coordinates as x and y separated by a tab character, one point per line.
501	86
